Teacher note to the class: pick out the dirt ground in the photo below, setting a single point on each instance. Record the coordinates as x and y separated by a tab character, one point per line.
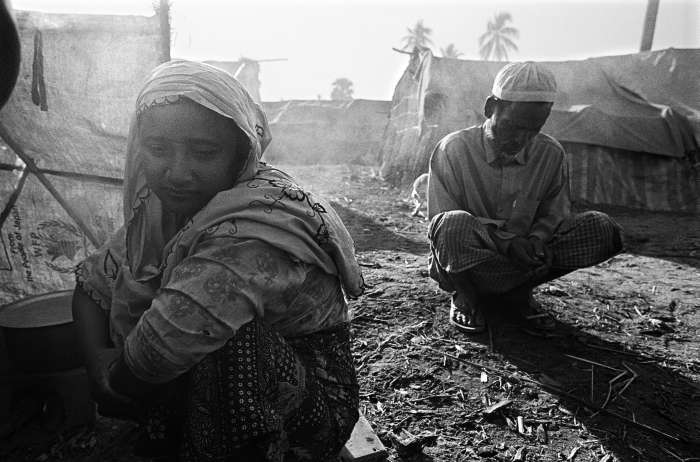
619	380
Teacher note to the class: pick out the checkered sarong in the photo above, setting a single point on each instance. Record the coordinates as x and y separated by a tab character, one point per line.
462	247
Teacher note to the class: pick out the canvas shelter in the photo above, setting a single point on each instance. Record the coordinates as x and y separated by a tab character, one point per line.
246	71
630	124
64	131
325	132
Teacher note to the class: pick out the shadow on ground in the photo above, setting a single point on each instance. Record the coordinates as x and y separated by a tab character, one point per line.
669	236
638	406
371	235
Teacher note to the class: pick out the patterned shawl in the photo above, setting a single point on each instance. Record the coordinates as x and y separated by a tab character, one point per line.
264	203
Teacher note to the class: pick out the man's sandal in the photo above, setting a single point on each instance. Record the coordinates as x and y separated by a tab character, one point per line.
465	317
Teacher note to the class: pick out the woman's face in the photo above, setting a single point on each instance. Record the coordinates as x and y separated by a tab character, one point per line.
190	154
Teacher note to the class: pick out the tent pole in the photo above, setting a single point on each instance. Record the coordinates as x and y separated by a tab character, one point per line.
31	166
163	11
13	198
649	25
72	175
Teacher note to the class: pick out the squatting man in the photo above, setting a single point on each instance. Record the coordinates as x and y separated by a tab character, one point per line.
500	207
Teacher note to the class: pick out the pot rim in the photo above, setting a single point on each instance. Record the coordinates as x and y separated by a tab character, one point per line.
45	310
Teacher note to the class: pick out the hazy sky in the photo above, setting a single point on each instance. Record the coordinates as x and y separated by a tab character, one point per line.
324	40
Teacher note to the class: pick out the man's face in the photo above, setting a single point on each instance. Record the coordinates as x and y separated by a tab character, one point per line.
515	124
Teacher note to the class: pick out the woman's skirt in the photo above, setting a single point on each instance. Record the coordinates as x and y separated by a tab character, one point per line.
260	397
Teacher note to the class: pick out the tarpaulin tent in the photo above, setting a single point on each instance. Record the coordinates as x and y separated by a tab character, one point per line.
66	126
309	132
246	71
628	123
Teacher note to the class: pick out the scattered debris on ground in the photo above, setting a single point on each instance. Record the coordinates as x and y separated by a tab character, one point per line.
619	380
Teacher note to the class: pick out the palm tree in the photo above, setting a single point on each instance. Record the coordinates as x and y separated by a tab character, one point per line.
417	37
450	51
498	38
342	89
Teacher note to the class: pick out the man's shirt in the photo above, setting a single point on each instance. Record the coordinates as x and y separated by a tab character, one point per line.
525	195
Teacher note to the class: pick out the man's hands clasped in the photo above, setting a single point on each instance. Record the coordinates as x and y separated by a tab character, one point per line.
530	254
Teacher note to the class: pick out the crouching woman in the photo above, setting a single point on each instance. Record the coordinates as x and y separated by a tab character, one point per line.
216	317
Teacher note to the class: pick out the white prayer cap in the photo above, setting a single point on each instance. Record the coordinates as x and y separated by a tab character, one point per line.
526	82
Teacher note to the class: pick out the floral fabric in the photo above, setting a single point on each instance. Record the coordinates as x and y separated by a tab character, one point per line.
221	287
261	397
264	261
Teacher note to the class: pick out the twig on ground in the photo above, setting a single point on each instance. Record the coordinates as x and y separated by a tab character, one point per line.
573	453
598	347
611	382
368	318
381	344
617	377
398	425
427	411
495	407
428	398
567	395
473	363
632	371
630	380
677	457
457	342
593	362
627	384
609	412
395	336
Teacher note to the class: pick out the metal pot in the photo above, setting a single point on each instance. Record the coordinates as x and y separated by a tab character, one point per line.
40	335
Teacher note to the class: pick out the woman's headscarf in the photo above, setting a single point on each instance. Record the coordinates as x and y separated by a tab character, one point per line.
207	86
263	204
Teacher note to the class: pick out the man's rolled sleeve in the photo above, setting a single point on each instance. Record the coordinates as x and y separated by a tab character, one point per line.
441	198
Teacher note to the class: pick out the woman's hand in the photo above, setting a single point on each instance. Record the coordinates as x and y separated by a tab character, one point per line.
124	382
92	324
109	402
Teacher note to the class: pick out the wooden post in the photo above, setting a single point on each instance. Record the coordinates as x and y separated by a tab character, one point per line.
163	12
649	25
